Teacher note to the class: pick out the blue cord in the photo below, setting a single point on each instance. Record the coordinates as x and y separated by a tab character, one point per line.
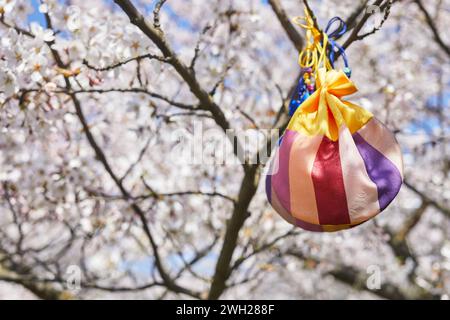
301	92
332	36
296	97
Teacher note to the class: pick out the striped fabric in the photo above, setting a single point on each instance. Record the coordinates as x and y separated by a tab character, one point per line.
323	185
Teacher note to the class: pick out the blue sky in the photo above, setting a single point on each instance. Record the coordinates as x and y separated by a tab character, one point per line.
36	15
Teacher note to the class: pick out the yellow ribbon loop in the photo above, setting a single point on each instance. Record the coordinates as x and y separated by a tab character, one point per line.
314	55
324	112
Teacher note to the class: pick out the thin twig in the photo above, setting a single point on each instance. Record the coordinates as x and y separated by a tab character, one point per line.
354	35
311	13
351	19
433	28
197	47
156	11
119	64
387	11
135	90
248	117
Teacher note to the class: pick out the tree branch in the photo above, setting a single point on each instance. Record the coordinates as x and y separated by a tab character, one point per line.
351	20
158	7
427	199
291	31
136	90
240	212
119	64
168	281
433	28
357	280
311	13
42	289
387	11
206	100
354	35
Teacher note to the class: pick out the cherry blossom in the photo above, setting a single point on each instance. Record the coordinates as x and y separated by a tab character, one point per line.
100	118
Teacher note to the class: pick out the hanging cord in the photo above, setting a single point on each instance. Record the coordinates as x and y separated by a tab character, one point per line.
334	46
321	47
315	53
320	50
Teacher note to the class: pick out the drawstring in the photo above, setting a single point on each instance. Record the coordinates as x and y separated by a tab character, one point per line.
314	55
332	36
320	50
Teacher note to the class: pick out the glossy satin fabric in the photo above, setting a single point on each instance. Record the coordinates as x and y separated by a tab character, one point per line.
335	171
324	112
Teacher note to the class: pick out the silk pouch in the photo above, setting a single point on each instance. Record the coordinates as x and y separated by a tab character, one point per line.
337	166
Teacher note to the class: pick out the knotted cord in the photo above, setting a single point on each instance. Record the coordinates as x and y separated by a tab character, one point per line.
315	53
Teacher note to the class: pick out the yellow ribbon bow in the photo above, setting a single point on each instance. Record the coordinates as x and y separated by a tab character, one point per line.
324	112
